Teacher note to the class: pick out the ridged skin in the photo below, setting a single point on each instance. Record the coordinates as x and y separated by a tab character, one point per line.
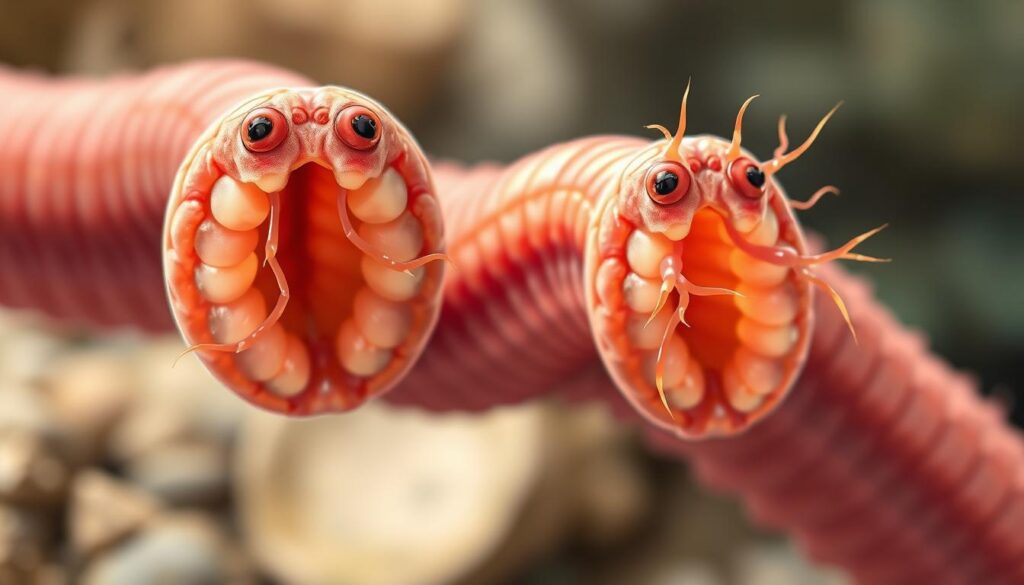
85	174
882	460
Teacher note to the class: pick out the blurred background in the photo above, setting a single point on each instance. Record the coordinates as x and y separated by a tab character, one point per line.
114	468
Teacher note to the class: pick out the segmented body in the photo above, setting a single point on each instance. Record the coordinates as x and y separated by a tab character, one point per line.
883	460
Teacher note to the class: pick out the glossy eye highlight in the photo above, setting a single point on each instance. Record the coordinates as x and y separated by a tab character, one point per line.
358	127
747	178
263	129
667	182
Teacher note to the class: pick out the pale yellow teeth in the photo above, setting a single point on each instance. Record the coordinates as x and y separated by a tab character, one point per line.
357	354
677	231
760	374
238	206
677	359
380	200
645	251
400	239
690	391
294	373
232	322
641	294
755	271
740	397
394	285
765	340
767	231
263	360
216	245
225	284
648	337
350	180
382	322
272	182
770	306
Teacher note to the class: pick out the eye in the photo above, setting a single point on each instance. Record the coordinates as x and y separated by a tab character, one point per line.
263	129
667	182
747	178
358	127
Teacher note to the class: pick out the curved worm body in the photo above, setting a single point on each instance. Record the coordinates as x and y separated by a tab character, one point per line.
678	264
84	178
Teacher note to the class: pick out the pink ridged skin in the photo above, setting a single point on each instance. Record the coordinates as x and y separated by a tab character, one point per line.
881	460
84	180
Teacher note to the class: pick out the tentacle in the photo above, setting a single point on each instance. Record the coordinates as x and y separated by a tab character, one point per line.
838	300
805	205
783	139
737	133
273	229
775	165
667	287
659	367
789	257
672	151
366	248
664	131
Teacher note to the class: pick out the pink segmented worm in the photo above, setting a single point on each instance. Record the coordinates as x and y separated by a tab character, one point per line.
882	460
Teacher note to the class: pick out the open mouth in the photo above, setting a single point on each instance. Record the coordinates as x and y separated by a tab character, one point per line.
312	298
710	337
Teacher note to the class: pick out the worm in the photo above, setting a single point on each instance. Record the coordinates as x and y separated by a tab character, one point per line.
677	265
297	227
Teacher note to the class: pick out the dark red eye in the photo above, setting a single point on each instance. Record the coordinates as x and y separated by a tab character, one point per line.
667	182
263	129
747	178
358	127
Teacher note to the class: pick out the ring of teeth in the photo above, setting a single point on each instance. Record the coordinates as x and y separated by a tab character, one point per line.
749	360
379	317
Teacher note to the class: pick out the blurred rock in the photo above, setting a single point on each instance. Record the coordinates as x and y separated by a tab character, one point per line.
183	549
779	564
183	473
384	496
25	539
33	471
104	511
88	391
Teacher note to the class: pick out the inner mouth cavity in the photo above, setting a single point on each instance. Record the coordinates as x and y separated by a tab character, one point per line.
347	307
730	352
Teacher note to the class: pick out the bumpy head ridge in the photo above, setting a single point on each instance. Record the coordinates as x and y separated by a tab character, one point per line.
298	245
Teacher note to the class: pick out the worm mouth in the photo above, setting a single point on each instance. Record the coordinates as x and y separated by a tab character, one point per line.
701	337
313	297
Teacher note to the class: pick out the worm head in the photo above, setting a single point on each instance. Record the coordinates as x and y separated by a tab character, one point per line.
296	248
701	335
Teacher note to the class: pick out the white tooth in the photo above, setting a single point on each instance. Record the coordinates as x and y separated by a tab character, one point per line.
773	342
350	180
677	360
400	239
395	285
216	245
223	284
264	358
641	294
689	392
677	232
645	251
767	231
358	355
294	373
756	271
648	337
770	306
380	200
740	397
761	375
272	182
238	206
231	322
382	322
